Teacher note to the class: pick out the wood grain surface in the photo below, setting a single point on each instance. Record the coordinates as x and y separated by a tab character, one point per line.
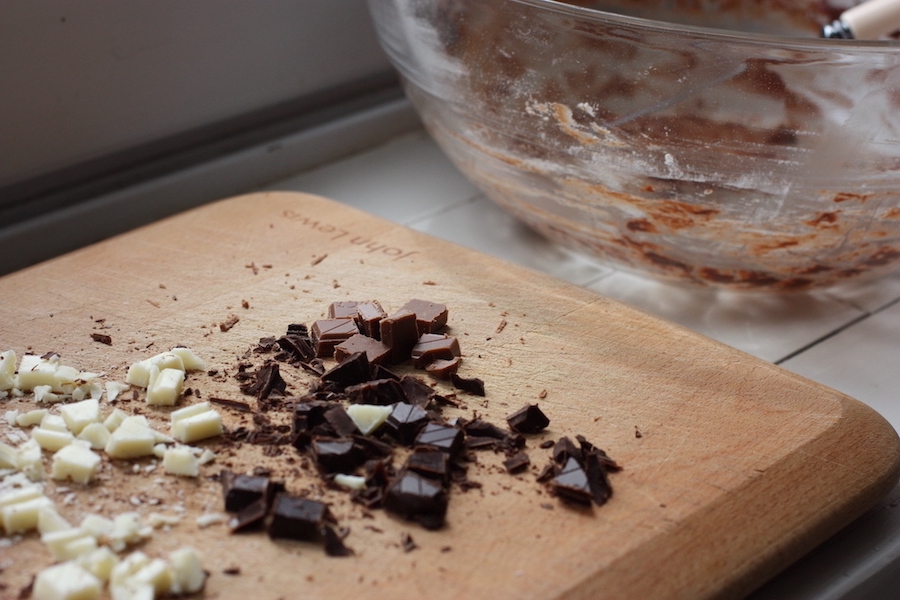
733	468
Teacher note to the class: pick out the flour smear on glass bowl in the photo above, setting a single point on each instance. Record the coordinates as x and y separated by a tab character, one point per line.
719	143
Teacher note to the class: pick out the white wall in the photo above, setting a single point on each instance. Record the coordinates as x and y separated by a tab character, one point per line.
82	79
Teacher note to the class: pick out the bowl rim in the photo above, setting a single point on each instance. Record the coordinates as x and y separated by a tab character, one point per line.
817	43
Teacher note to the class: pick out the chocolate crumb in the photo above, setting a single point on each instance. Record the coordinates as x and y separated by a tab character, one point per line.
228	323
472	385
231	571
102	338
334	544
407	542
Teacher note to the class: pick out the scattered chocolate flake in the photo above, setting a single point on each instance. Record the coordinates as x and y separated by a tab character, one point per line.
407	542
334	543
102	338
528	419
517	462
473	385
231	571
501	326
266	380
245	304
232	404
637	432
228	323
318	259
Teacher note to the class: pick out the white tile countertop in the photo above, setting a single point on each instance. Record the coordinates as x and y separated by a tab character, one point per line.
846	338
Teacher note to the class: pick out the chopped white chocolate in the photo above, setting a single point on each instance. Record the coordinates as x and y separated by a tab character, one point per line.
8	457
29	460
11	416
31	418
114	388
50	521
51	439
368	417
139	372
207	519
35	370
157	520
66	581
351	482
100	562
181	461
68	544
164	387
98	526
45	393
96	434
191	361
196	422
127	529
188	576
7	370
207	456
127	567
156	573
76	462
54	422
114	419
79	415
19	494
132	590
133	438
23	516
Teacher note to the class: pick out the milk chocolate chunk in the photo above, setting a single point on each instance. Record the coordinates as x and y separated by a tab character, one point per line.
337	455
432	346
405	422
342	310
240	491
378	391
399	332
446	438
430	316
352	370
369	316
572	483
297	518
442	368
472	385
376	352
417	498
328	333
528	419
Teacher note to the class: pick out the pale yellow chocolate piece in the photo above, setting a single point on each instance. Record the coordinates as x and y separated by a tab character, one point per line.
76	462
79	415
96	434
66	581
195	422
7	370
165	386
181	460
368	417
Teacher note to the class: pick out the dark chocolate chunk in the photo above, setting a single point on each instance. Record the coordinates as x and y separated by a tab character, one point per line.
382	372
417	498
233	404
334	543
405	422
472	385
482	428
417	391
443	368
433	346
446	438
528	419
352	370
102	338
308	416
564	449
547	473
298	518
430	316
250	517
572	483
481	442
298	329
266	380
517	462
327	333
432	464
376	351
337	455
298	347
240	491
340	421
596	474
377	391
407	542
373	447
400	334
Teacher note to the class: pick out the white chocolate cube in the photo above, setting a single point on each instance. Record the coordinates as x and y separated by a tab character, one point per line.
187	572
100	562
34	371
7	370
50	521
31	418
181	460
133	438
23	516
115	419
69	544
8	457
29	460
197	427
139	372
76	462
79	415
191	361
51	439
96	434
66	581
165	386
114	388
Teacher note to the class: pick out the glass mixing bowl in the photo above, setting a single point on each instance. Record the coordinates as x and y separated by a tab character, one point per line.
721	143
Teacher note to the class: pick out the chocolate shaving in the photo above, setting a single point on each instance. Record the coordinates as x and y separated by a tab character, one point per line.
102	338
233	404
471	385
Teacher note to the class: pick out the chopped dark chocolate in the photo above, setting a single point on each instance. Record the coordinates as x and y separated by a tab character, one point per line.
298	518
473	385
378	391
350	371
240	491
250	517
446	438
266	380
340	421
572	483
433	346
405	422
327	333
399	332
417	391
341	455
334	543
442	368
376	351
407	542
382	372
232	404
102	338
417	498
480	427
430	316
429	463
564	449
517	462
528	419
298	347
308	416
596	474
373	446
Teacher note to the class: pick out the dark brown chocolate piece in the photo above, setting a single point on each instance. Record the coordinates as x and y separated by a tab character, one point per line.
407	542
417	498
443	368
480	427
445	438
298	518
337	455
430	316
517	462
596	474
327	333
429	463
472	385
373	446
405	422
336	416
432	346
572	483
417	391
334	543
266	380
250	517
400	334
382	372
376	352
308	417
528	419
564	450
350	371
377	391
369	316
240	491
298	347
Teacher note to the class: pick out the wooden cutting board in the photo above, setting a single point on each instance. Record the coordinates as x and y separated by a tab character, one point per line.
733	468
